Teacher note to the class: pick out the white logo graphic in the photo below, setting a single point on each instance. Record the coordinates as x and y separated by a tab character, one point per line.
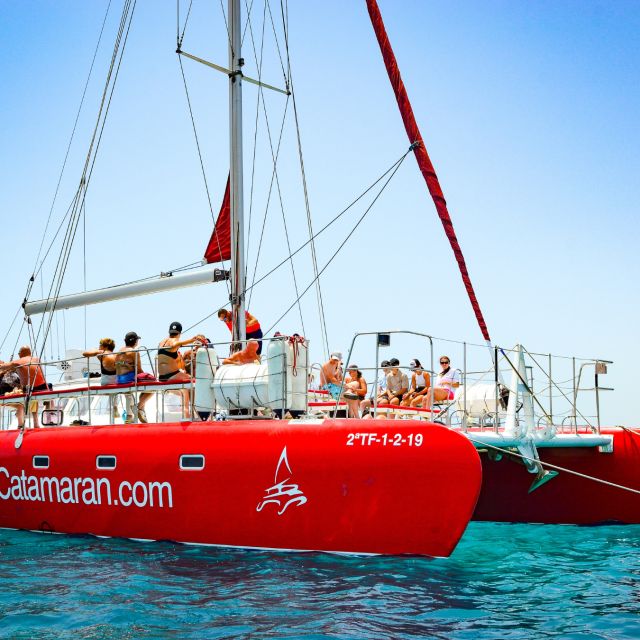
281	493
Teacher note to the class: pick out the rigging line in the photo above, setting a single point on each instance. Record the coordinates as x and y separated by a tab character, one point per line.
314	258
342	244
127	15
275	35
322	230
73	222
204	173
84	265
393	168
10	327
274	157
562	392
66	156
226	24
253	159
264	219
246	24
15	346
186	20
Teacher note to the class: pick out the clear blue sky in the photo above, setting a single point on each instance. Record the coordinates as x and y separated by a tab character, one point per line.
529	112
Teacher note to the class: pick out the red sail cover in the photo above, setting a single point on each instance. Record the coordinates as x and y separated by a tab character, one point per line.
219	247
422	156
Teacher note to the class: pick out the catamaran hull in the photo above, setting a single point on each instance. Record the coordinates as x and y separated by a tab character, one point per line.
358	486
566	498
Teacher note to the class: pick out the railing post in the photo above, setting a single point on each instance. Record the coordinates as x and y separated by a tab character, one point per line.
550	394
464	386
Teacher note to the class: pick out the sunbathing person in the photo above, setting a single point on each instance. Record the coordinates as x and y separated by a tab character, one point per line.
248	355
31	376
447	381
355	390
331	375
170	362
107	359
129	369
420	383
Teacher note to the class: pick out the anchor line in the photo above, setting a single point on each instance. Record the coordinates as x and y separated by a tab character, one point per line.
556	467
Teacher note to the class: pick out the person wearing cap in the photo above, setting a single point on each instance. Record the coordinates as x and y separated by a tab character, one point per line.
365	405
171	367
420	383
447	381
397	383
128	369
331	375
355	390
254	332
170	362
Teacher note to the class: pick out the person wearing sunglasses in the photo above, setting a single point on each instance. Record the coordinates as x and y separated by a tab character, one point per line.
447	381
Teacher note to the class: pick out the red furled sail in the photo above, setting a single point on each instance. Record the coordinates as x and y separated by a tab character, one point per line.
422	156
219	247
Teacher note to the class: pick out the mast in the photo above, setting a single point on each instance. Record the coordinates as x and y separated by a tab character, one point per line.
235	142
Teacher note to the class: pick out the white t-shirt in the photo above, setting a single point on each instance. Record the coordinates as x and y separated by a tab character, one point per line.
445	381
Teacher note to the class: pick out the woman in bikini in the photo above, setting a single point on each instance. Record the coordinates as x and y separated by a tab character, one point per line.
171	365
107	357
355	390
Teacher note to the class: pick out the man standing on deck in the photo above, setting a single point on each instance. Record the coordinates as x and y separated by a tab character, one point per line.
254	332
31	376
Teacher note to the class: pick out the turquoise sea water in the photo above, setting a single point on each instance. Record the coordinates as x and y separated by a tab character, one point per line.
503	581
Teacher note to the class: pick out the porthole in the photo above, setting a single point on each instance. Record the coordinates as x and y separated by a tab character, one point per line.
106	462
192	462
40	462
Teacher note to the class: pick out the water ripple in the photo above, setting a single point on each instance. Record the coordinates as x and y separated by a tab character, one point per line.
504	581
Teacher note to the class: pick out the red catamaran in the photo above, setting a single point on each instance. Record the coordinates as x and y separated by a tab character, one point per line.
311	483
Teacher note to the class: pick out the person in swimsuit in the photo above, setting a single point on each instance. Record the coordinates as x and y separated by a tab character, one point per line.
331	375
248	355
107	359
447	381
31	376
128	367
355	390
254	332
171	367
420	383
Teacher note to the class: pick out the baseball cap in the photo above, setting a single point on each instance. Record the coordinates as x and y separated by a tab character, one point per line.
394	362
175	328
385	363
131	337
415	364
336	355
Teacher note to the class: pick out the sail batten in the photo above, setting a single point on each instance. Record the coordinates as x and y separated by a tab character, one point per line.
422	157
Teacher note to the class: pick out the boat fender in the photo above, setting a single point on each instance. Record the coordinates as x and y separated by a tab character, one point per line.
206	366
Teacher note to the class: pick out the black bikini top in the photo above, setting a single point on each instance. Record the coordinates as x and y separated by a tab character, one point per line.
170	354
106	372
